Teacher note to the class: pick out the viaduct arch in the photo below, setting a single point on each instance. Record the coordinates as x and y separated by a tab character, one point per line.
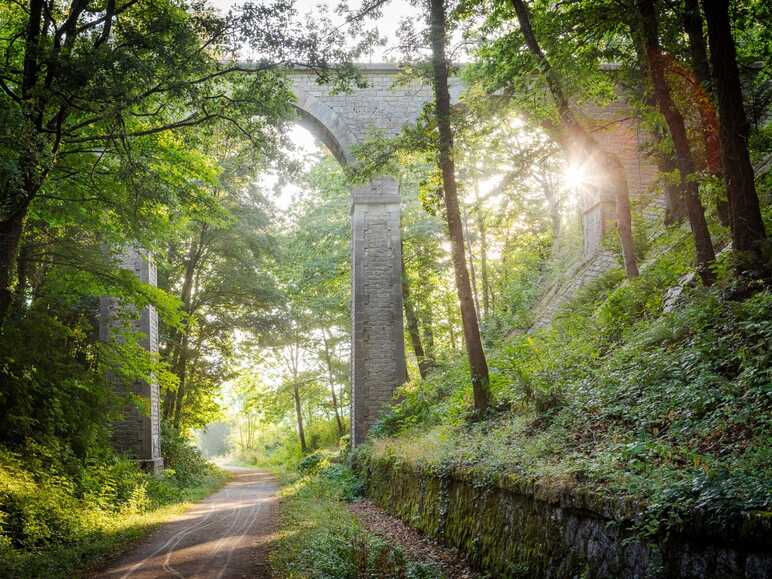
341	121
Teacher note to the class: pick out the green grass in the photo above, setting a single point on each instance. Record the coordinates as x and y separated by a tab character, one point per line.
321	539
672	409
61	517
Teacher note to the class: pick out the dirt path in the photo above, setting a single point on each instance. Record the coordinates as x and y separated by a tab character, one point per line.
225	536
416	545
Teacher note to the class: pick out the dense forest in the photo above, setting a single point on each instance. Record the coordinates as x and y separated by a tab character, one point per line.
638	372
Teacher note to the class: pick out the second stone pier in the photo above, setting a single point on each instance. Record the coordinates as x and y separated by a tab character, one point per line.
377	345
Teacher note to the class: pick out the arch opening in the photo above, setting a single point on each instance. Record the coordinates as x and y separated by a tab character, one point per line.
325	124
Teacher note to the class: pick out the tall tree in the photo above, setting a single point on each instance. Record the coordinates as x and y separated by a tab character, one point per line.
82	82
675	122
698	51
701	88
477	361
288	347
216	265
331	381
424	363
482	232
472	269
577	137
748	233
299	416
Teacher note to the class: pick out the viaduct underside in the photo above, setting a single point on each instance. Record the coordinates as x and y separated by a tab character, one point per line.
341	122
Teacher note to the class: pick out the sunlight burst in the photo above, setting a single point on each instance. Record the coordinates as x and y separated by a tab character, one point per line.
575	176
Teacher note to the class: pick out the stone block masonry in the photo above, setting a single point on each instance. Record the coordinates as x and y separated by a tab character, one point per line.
386	105
529	528
378	355
137	433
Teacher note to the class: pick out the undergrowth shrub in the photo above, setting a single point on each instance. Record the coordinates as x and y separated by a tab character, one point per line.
34	514
321	539
670	407
182	460
310	463
58	512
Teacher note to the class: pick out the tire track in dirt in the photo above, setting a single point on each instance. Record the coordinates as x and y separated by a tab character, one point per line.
224	537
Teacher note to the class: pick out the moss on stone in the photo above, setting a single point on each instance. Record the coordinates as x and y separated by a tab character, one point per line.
513	526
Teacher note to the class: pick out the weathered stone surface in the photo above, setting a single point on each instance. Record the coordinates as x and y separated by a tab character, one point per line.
138	432
378	355
575	278
343	121
522	528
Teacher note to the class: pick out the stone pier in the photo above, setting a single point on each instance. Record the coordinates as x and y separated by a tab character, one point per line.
137	433
378	354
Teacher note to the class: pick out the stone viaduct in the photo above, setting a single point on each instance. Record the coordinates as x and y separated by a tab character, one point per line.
342	121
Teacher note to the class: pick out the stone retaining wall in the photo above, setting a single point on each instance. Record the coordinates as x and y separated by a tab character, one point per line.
523	528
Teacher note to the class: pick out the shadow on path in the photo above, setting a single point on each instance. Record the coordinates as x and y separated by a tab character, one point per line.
225	536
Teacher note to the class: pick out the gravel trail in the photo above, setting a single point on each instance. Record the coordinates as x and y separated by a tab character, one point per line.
224	537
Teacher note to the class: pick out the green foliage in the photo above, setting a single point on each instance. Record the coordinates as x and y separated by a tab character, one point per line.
276	447
670	408
183	462
60	513
310	463
54	386
322	539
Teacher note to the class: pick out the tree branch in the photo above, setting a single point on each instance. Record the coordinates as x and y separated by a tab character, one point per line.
189	121
101	19
108	18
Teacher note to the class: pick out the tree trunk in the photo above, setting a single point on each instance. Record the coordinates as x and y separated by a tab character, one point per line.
616	172
692	21
181	369
477	362
480	219
427	324
10	234
472	269
747	226
23	277
299	415
693	25
675	204
451	331
173	405
412	326
168	410
576	136
328	359
675	207
15	206
675	122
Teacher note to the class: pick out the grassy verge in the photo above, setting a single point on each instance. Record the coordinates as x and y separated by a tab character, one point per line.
670	406
62	518
110	535
321	539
